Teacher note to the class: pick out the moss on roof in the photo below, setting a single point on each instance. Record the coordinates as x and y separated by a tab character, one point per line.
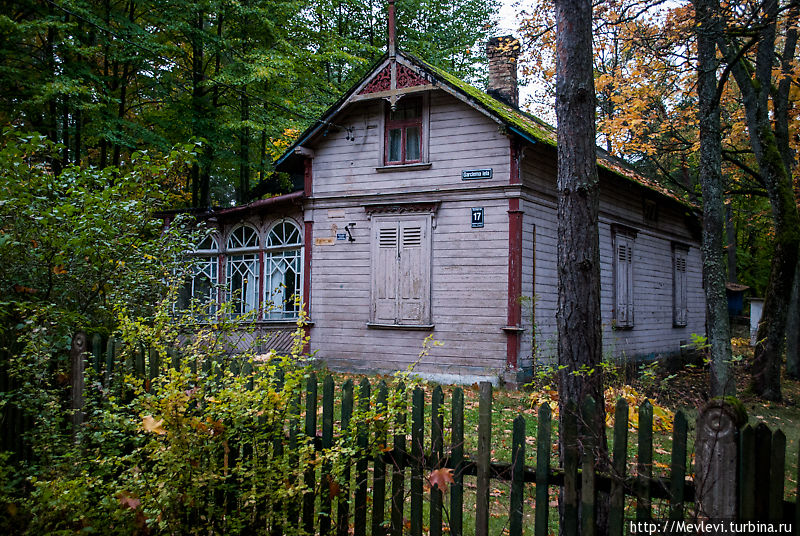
540	130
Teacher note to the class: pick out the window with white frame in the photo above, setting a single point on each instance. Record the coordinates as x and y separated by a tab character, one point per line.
282	272
199	292
401	270
623	279
680	303
242	270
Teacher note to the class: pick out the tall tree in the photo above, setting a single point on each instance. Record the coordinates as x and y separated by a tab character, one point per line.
713	185
580	349
768	133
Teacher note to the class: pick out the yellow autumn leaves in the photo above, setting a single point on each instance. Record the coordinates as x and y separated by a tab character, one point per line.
662	417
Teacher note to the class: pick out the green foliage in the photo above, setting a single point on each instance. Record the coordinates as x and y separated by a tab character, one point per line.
105	79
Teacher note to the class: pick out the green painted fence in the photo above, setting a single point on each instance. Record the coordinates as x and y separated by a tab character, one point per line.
391	493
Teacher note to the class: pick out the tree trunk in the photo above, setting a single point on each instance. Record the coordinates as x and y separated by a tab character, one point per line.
713	187
580	346
730	231
793	329
198	110
755	84
244	150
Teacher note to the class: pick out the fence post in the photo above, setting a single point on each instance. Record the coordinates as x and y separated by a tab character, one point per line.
484	459
77	364
716	456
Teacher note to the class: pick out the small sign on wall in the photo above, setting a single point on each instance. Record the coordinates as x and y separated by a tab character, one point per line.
472	174
477	217
341	236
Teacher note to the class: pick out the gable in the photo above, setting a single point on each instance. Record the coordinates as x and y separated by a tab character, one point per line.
392	78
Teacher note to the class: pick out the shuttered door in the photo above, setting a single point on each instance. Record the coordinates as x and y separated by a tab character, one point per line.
414	284
624	281
384	273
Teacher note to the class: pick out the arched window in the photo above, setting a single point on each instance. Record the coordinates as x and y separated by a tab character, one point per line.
283	272
242	270
200	289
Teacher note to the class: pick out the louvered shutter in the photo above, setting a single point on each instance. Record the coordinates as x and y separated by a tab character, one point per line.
624	281
414	272
680	301
384	272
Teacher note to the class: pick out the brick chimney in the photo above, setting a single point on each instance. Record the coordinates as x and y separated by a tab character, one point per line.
502	53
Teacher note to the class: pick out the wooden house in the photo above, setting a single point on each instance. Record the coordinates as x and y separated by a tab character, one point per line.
428	207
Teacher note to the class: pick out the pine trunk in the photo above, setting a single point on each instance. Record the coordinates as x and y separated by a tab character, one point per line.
793	329
579	330
713	188
755	84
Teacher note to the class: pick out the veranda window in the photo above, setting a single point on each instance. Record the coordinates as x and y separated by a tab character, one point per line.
199	293
242	271
282	272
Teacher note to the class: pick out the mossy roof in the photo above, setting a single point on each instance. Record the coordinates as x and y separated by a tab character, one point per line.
539	130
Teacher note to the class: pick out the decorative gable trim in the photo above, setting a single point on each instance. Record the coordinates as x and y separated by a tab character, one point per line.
383	80
416	207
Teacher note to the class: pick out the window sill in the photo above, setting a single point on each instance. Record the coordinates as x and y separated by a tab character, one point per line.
409	327
513	329
678	326
282	323
622	328
403	167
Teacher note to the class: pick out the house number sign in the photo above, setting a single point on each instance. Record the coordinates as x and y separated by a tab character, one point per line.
471	174
477	217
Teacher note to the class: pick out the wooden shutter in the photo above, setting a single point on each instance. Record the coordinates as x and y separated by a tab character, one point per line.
623	260
414	272
384	272
679	289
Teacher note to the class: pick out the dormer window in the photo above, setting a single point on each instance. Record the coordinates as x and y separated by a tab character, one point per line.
404	132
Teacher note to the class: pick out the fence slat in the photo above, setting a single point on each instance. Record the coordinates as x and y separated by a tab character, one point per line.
77	357
569	445
311	433
327	443
484	459
360	514
457	460
398	465
174	357
379	473
343	502
110	349
763	446
777	477
293	509
139	361
588	490
437	443
154	360
417	437
543	440
678	466
644	462
517	476
616	514
747	474
97	352
797	497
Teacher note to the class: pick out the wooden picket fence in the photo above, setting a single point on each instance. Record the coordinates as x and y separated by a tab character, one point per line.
391	493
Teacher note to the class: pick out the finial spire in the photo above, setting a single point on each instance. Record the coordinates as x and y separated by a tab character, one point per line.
391	47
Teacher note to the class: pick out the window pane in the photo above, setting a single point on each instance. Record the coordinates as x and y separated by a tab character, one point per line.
412	143
243	283
395	143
